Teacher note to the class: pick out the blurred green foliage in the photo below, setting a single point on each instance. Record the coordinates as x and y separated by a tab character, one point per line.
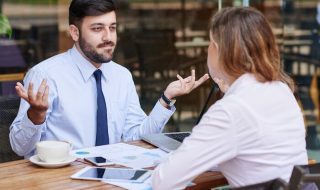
5	28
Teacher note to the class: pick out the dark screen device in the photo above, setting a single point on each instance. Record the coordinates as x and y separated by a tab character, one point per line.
99	161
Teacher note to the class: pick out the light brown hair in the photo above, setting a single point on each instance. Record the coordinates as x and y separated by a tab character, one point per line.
247	45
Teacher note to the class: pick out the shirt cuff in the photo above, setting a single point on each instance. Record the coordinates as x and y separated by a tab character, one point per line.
30	128
162	114
160	108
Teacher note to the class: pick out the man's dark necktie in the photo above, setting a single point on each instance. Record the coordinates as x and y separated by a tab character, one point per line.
102	137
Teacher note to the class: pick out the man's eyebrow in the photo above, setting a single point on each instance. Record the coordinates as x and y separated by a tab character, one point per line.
101	24
97	24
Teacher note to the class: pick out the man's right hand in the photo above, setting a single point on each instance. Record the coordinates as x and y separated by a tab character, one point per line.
38	102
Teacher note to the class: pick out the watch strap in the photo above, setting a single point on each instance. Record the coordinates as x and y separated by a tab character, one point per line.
167	100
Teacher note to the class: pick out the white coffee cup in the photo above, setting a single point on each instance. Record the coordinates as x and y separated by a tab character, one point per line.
53	151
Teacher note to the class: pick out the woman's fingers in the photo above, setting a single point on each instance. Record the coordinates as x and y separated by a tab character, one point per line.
189	83
188	79
193	75
192	82
182	82
201	80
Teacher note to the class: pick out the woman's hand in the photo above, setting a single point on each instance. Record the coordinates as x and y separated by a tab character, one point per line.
184	85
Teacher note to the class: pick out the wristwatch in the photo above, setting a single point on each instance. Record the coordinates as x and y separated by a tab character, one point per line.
167	100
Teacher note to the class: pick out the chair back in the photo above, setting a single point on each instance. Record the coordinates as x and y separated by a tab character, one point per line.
305	177
9	106
275	184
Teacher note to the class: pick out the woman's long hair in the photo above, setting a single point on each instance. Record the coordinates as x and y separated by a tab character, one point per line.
247	45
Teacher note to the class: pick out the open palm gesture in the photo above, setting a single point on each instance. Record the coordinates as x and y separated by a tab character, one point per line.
38	101
184	85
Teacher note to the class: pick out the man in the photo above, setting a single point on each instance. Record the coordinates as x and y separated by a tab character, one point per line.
84	97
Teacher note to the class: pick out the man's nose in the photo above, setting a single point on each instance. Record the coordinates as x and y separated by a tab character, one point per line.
106	35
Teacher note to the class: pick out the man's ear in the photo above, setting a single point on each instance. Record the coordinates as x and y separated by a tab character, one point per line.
74	32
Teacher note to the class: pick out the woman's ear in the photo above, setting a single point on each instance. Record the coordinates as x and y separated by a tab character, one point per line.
74	32
215	44
213	41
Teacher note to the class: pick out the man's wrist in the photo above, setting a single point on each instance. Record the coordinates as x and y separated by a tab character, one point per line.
36	117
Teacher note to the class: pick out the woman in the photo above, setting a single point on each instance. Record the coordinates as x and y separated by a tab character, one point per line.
255	133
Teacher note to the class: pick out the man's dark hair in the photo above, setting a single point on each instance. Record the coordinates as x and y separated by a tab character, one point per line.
81	8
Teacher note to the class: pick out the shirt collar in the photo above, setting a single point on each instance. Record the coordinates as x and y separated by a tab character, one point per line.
85	67
243	81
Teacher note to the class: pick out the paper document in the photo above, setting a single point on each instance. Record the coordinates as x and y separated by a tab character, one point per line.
107	150
125	154
145	159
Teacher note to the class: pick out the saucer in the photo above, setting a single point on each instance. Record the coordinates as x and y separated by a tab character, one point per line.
36	160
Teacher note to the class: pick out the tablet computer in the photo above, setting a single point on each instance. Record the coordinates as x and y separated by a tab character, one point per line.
113	174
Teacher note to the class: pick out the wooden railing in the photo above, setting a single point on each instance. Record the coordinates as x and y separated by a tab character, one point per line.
12	77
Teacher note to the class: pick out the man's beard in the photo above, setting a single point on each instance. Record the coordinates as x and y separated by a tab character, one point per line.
90	52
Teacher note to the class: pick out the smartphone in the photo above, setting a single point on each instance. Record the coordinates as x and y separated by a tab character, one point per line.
99	161
113	174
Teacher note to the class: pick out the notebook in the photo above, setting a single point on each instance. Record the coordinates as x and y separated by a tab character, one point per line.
166	141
